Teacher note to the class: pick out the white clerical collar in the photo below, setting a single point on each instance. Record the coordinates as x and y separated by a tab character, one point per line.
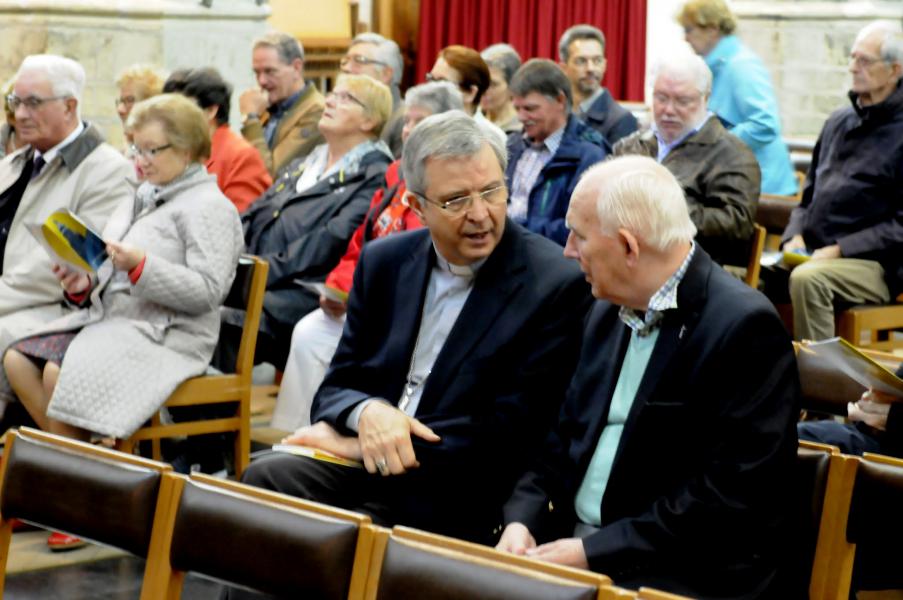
460	270
51	154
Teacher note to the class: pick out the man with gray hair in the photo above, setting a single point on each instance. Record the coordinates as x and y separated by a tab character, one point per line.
581	52
375	56
850	218
66	165
551	153
458	343
672	461
718	172
279	117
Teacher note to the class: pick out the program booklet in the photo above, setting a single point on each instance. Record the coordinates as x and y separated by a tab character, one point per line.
317	454
324	290
864	370
70	241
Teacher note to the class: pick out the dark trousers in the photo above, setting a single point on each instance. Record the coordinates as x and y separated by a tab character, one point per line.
851	439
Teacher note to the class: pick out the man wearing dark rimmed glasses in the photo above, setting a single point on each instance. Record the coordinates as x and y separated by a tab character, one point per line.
380	58
850	218
66	165
457	348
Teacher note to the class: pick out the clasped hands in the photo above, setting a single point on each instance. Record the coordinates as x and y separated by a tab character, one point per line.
123	257
871	409
383	442
797	243
517	539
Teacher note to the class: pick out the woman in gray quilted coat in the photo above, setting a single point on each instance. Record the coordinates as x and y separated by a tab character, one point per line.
149	317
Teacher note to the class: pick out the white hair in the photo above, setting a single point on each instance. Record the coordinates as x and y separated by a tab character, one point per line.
638	194
891	44
447	135
435	96
684	64
387	51
66	77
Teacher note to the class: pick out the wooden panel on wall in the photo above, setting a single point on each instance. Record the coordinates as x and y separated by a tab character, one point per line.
399	20
312	19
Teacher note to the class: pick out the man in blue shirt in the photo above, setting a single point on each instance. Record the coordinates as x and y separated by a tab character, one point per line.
547	158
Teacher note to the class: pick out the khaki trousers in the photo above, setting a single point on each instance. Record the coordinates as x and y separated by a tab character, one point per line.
817	286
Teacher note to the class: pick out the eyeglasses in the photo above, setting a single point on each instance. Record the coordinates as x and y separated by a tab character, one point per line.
864	62
148	153
127	101
679	101
582	61
31	103
360	60
460	204
344	97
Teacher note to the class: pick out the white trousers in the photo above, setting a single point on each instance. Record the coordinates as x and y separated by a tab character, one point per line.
314	341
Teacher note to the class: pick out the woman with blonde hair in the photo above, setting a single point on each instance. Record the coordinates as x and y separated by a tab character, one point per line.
742	93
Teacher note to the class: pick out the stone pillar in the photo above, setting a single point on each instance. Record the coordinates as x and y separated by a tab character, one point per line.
106	36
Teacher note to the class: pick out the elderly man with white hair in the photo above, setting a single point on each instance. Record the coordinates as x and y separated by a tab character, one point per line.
850	218
375	56
717	171
672	459
66	165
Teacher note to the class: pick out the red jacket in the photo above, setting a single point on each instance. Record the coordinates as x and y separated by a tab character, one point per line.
240	172
393	217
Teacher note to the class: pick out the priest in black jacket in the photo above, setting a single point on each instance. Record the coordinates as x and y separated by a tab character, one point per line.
459	343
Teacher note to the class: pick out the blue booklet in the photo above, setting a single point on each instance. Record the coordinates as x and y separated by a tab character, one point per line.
70	241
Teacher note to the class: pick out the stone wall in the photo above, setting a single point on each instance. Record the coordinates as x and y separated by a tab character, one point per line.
106	36
806	45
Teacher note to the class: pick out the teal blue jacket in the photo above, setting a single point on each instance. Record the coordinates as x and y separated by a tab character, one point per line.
743	98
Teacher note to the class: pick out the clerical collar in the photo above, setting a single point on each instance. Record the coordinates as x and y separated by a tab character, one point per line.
470	270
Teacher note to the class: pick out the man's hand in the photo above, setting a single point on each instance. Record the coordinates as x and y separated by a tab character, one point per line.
333	308
385	434
321	435
253	100
832	251
72	281
794	243
124	257
872	409
567	551
516	539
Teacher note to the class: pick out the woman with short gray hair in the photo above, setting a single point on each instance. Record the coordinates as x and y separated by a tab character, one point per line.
503	62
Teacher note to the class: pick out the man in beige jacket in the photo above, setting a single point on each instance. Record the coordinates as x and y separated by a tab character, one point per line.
66	164
279	117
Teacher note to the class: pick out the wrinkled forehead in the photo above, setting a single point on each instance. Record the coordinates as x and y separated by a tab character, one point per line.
32	83
454	173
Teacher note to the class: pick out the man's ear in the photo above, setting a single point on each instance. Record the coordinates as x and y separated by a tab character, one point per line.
416	205
71	105
298	65
631	246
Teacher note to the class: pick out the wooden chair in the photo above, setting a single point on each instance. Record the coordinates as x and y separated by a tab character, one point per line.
865	545
813	470
412	564
85	490
233	388
757	244
260	540
646	593
879	320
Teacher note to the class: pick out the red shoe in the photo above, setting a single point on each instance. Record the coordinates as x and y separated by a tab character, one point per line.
61	542
19	525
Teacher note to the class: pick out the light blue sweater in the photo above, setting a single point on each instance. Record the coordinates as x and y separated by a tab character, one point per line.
743	97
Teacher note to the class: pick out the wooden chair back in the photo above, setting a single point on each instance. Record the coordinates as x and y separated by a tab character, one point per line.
754	264
246	293
82	489
262	541
409	564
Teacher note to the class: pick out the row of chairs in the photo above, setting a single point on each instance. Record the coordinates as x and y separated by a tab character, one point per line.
854	502
257	539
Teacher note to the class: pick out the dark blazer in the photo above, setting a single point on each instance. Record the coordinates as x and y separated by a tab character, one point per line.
303	236
697	498
609	118
496	385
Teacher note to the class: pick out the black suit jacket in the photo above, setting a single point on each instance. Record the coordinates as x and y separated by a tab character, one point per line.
496	385
610	119
699	490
